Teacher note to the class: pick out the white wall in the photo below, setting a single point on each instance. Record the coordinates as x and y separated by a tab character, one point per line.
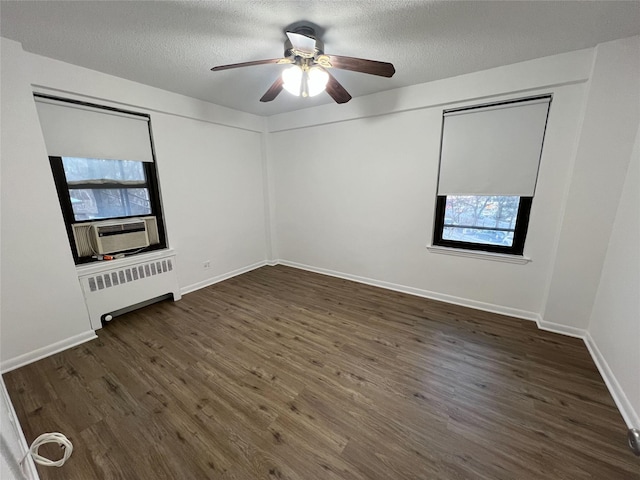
612	115
212	191
42	303
356	194
210	167
615	320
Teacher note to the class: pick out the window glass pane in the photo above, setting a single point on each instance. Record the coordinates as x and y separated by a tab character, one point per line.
477	235
87	169
480	219
100	203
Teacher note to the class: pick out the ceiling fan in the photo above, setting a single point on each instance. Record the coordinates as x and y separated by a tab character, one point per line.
308	75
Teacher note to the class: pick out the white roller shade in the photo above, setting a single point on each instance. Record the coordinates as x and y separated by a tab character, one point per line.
494	150
72	130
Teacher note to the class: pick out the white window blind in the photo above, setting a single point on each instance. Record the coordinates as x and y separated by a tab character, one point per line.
72	130
494	150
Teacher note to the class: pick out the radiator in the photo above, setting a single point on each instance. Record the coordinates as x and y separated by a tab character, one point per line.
119	284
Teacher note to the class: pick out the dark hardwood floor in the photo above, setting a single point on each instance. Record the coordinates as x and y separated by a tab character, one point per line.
286	374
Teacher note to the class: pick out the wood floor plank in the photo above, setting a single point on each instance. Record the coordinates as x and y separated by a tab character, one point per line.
286	374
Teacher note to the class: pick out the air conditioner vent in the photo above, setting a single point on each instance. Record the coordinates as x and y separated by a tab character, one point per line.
118	228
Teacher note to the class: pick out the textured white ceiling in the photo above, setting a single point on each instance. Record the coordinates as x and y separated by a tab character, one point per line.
172	45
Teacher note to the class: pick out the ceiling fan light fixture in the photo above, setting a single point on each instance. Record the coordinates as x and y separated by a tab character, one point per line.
317	79
305	82
292	80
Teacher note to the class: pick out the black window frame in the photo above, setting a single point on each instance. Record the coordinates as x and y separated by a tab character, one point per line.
519	234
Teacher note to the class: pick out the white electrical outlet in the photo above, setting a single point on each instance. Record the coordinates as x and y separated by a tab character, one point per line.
207	264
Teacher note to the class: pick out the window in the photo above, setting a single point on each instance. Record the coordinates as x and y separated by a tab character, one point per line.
103	167
101	189
91	189
489	164
96	189
489	223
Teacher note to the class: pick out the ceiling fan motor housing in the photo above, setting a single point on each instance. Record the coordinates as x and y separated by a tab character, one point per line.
307	32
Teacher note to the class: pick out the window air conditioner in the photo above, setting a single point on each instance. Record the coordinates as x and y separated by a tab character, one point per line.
118	235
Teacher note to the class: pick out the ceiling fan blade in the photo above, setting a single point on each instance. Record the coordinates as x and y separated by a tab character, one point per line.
274	90
302	43
249	64
372	67
337	91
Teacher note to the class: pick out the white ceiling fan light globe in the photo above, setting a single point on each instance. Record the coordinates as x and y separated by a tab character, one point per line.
292	80
317	79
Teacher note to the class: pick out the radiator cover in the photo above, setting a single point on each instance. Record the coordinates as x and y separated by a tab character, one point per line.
117	284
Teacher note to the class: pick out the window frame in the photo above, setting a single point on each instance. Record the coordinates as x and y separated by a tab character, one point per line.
519	234
64	198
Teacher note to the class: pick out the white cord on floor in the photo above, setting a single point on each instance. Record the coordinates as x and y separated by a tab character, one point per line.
56	437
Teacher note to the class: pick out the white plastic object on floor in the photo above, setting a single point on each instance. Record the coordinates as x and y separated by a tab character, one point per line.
54	437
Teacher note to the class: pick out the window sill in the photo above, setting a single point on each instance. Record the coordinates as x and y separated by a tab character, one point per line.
496	257
101	266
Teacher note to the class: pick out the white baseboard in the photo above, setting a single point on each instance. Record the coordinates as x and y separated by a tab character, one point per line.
220	278
561	329
43	352
631	417
464	302
29	467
